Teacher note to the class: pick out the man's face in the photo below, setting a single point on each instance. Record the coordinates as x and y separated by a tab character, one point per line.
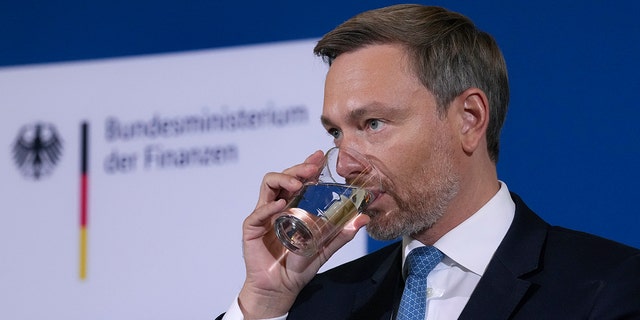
375	104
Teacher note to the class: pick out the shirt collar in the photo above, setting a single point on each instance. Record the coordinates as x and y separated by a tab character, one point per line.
472	243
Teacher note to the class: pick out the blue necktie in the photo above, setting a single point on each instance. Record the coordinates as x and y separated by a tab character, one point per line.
419	262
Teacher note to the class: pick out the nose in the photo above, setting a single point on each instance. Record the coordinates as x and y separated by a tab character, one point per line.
353	166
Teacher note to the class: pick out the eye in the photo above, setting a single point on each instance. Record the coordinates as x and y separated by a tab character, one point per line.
375	124
335	133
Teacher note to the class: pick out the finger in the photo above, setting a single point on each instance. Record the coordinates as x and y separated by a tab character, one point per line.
284	185
259	221
274	184
315	158
309	168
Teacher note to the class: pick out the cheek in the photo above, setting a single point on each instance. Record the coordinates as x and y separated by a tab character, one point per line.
411	153
417	160
405	168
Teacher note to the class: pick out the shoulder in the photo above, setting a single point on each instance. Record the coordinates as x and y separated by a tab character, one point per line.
567	272
577	252
588	253
594	271
576	259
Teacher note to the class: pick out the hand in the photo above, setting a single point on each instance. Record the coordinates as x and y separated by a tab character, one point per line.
274	276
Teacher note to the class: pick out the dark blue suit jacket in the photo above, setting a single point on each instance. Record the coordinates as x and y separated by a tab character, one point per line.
537	272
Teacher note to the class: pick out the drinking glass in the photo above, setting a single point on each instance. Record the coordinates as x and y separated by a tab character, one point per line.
346	184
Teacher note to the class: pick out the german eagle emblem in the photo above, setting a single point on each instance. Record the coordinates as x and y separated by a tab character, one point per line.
37	150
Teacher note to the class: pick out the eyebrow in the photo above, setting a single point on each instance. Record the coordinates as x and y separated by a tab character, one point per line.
354	115
326	122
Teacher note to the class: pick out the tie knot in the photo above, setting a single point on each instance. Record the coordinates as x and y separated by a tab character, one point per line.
422	260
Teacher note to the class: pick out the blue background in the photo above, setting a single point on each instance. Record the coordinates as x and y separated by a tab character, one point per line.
570	145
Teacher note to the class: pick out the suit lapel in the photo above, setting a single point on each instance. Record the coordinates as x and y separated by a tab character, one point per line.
501	288
376	297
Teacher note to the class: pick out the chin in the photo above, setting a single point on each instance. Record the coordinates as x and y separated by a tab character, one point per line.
384	225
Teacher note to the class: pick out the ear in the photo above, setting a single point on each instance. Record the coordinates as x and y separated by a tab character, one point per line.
472	109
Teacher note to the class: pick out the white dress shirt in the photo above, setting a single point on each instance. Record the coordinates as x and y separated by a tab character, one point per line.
467	249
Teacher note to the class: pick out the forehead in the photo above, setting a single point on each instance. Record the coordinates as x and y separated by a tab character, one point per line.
370	64
373	76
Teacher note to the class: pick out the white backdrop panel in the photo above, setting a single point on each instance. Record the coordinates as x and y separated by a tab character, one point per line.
163	240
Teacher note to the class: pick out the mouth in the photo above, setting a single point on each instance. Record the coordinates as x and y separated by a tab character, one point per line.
375	194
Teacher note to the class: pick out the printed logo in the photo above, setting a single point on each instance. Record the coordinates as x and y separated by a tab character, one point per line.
37	149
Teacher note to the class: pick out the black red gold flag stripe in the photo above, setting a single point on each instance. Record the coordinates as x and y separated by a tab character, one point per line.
84	199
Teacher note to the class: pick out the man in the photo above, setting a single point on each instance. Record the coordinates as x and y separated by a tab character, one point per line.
423	94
